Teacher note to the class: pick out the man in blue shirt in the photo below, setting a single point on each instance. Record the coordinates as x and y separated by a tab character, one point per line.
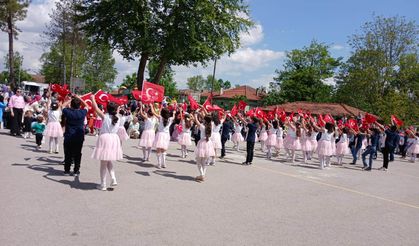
225	135
252	126
392	139
74	134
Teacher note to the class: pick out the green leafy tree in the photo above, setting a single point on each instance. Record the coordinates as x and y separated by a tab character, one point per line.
302	76
167	79
98	70
196	83
21	74
12	11
381	76
180	32
130	81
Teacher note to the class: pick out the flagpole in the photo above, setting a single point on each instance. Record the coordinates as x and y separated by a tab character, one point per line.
213	75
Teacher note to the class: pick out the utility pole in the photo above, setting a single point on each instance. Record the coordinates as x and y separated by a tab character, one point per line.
213	75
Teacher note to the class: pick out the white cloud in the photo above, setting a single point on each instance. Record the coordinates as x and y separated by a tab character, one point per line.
330	81
337	47
252	37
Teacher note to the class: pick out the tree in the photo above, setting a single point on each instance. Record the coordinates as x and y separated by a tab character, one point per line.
167	79
11	12
302	76
130	81
98	70
196	83
381	75
180	32
22	74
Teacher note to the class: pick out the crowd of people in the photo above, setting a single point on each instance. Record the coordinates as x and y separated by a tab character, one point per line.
157	125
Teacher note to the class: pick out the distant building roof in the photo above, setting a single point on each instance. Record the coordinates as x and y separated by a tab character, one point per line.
38	78
250	93
335	109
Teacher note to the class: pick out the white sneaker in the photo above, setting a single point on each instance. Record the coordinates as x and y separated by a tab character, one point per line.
114	183
101	187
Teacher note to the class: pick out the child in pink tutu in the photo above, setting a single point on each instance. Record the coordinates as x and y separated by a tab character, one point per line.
204	150
98	121
293	138
108	146
342	146
122	132
324	148
237	137
279	137
271	142
54	129
149	133
306	147
185	136
413	145
216	136
313	141
263	136
162	139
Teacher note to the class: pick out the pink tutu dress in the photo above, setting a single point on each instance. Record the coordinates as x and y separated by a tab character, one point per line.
237	136
280	138
162	139
216	136
313	141
271	141
204	148
185	136
414	146
263	136
98	123
324	147
122	133
292	141
54	129
148	135
342	147
305	141
108	146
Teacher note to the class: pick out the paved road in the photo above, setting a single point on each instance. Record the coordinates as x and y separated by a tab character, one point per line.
269	203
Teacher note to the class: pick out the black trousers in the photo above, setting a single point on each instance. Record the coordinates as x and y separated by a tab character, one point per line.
72	153
38	138
16	121
250	147
386	156
223	146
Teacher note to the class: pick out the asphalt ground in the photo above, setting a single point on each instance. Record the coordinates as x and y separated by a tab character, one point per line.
269	203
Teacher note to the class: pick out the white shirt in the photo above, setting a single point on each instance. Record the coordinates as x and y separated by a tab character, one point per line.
280	133
54	115
237	128
166	128
291	133
149	123
343	138
314	135
107	126
216	129
326	136
202	128
272	131
184	129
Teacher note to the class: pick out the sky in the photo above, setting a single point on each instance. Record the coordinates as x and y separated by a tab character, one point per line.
280	26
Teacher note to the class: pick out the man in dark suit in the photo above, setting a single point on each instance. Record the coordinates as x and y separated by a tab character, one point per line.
225	135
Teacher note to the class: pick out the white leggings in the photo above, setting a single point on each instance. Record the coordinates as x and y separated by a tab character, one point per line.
53	144
146	153
184	151
324	161
104	167
201	162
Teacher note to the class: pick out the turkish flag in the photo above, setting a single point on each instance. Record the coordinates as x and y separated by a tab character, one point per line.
242	105
370	118
270	115
136	94
152	92
353	124
250	113
62	91
300	112
329	119
259	113
320	121
193	103
118	100
101	97
185	107
86	98
208	103
234	110
396	120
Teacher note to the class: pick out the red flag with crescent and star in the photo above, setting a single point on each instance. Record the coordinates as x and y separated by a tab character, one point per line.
234	110
136	94
208	103
193	103
152	92
241	106
101	97
396	120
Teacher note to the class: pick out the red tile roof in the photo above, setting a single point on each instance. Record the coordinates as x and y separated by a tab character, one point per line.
249	92
335	109
38	78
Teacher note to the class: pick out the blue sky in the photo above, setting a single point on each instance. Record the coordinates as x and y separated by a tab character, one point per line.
280	26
